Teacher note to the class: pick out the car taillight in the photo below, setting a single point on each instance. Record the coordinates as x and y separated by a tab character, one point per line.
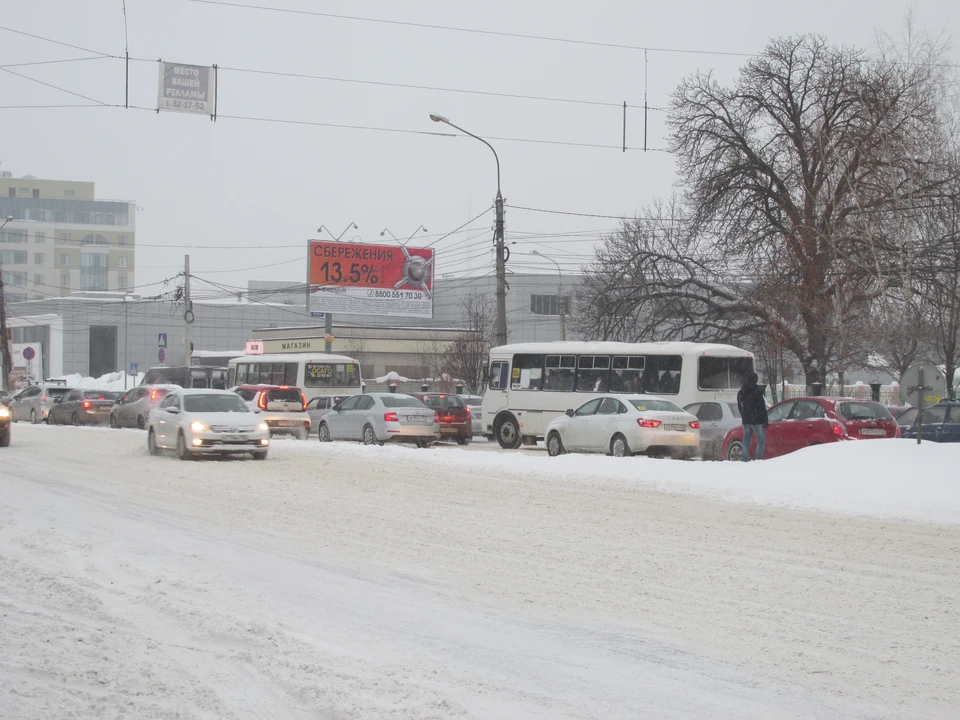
86	403
838	429
469	411
648	423
303	400
43	397
436	418
391	417
153	394
899	434
262	401
695	424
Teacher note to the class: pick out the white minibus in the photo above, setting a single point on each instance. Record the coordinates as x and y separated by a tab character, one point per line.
314	373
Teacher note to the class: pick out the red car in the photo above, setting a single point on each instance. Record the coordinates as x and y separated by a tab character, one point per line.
456	418
806	421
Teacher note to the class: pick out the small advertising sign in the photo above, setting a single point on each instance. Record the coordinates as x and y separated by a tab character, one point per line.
355	279
186	88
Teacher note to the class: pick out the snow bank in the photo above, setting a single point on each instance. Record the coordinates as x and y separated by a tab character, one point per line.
877	478
113	382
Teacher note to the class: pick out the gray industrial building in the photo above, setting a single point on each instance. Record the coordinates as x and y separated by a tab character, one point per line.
95	333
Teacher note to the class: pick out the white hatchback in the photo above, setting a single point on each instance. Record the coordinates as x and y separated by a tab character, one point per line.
198	421
622	425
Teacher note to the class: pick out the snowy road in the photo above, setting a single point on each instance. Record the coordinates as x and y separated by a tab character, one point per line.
340	581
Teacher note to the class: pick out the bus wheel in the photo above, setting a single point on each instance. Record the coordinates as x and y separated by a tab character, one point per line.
508	433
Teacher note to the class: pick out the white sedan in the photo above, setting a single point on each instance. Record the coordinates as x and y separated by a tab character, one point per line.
194	421
622	425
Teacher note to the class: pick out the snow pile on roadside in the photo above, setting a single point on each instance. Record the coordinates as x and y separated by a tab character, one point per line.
114	382
877	478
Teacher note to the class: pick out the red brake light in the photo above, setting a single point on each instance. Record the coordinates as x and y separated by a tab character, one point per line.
695	424
303	400
43	397
86	403
153	394
648	423
468	410
436	418
838	429
391	417
262	401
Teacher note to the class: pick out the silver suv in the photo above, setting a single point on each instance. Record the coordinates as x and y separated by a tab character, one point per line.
134	406
33	403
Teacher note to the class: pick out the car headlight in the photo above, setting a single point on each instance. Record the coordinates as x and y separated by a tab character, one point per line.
263	426
4	412
198	427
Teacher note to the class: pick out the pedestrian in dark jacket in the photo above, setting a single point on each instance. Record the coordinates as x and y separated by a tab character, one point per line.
753	414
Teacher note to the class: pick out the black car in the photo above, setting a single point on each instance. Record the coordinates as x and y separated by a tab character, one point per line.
941	423
83	407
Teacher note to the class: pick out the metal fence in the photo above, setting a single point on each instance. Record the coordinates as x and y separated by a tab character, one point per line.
889	394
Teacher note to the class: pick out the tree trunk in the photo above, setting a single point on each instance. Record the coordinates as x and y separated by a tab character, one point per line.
814	374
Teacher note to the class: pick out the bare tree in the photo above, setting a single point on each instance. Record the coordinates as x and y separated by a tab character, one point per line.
471	347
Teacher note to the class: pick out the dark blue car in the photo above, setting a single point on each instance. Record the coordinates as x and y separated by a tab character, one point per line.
941	423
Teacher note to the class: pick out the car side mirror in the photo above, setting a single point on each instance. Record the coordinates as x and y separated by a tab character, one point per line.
569	412
173	410
336	408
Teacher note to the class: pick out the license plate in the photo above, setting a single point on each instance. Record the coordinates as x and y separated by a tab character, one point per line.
235	437
872	431
287	423
679	428
448	430
418	419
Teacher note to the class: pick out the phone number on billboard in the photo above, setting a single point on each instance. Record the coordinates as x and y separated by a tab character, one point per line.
396	294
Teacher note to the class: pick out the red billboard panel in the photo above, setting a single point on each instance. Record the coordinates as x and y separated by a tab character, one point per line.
357	279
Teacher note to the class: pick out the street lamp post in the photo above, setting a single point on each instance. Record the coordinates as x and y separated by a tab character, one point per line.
5	359
501	330
560	303
328	317
386	231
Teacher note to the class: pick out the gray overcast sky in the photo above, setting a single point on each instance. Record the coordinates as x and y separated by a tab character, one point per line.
267	186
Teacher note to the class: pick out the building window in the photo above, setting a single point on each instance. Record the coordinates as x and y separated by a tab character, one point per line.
39	237
93	271
17	297
37	279
16	279
65	237
12	192
65	280
38	297
23	191
122	261
548	305
65	259
121	282
38	259
13	237
36	193
123	241
13	257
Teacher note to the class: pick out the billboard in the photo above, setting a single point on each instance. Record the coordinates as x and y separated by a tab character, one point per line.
355	279
186	88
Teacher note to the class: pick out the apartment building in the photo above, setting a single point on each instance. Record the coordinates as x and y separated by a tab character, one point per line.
62	239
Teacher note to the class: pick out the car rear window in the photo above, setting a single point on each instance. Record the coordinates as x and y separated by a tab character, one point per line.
863	411
57	391
447	401
98	395
734	410
214	403
283	394
652	405
400	401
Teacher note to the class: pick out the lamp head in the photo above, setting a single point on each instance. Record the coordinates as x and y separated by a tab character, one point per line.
438	118
535	252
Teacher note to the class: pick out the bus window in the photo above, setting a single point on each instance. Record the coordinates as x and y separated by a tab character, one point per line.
627	371
661	374
558	372
722	373
241	377
527	372
594	370
499	371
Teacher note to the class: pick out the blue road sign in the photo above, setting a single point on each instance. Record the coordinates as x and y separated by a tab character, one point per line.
162	340
161	355
133	369
316	314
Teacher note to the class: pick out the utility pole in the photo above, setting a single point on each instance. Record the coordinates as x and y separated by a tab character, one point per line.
328	316
126	345
5	359
187	310
501	331
502	252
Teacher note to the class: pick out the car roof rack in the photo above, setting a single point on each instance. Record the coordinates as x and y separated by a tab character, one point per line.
55	381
